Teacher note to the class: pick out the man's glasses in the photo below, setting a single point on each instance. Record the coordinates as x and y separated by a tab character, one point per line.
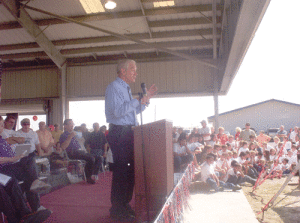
26	124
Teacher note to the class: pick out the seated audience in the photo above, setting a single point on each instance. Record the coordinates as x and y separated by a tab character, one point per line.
222	166
80	138
182	154
46	140
213	140
236	175
58	159
23	169
69	142
9	133
272	155
208	175
244	147
14	207
276	169
175	134
237	133
223	150
30	136
56	133
291	157
234	144
285	166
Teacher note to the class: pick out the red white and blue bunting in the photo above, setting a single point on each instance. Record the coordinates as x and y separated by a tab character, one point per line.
172	211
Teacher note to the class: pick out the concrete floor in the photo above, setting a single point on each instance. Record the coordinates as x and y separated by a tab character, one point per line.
221	207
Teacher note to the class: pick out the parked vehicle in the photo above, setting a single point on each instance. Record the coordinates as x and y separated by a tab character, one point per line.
272	132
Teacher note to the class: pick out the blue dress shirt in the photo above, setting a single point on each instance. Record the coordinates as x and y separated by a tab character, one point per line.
120	107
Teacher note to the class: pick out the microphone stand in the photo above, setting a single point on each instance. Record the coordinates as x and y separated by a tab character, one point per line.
143	151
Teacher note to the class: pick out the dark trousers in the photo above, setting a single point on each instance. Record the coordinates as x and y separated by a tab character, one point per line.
88	158
238	180
12	202
25	170
178	160
120	139
97	153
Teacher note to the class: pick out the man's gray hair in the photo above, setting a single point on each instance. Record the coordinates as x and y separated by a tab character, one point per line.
123	64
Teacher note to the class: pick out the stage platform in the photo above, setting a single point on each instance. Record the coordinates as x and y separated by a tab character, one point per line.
83	202
221	207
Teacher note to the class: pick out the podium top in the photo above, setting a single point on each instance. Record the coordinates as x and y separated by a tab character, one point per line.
156	122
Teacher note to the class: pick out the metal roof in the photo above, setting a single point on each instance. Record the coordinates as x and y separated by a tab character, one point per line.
35	31
253	105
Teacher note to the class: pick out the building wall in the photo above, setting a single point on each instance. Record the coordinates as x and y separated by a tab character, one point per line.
263	116
171	78
30	83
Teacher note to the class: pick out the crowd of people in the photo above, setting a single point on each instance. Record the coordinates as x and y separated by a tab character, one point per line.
57	147
77	143
227	161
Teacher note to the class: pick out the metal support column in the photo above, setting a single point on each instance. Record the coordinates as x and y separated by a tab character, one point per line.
215	72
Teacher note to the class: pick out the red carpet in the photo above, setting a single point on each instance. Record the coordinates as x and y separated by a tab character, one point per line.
81	202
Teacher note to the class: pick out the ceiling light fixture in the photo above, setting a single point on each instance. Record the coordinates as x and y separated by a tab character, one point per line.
163	3
110	4
92	6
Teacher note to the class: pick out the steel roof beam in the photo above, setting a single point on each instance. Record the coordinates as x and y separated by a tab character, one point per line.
34	31
116	15
105	39
128	48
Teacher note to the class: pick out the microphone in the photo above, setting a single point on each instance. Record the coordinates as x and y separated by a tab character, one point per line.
143	86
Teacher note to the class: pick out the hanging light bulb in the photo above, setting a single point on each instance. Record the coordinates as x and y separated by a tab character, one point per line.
110	4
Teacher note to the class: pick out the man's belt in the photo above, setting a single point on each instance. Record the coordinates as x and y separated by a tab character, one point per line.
121	126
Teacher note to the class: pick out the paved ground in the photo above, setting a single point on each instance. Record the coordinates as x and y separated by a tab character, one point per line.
221	207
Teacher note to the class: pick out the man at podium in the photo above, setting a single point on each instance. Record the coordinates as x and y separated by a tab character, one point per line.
121	110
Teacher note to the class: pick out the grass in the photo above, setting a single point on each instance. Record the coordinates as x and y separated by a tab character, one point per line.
286	207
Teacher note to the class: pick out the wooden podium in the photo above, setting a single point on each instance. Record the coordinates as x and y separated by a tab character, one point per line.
158	157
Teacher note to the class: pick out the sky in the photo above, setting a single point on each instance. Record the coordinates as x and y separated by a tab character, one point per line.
270	70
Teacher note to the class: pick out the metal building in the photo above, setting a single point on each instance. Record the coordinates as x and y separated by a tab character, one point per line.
261	116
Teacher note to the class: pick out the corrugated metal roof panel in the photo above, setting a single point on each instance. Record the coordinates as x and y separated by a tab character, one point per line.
14	36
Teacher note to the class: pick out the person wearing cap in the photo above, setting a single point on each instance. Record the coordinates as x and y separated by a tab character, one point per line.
245	134
23	169
205	131
30	136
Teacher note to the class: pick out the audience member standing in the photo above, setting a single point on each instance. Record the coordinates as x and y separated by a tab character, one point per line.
222	137
98	147
205	131
120	110
245	134
281	133
69	143
294	134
